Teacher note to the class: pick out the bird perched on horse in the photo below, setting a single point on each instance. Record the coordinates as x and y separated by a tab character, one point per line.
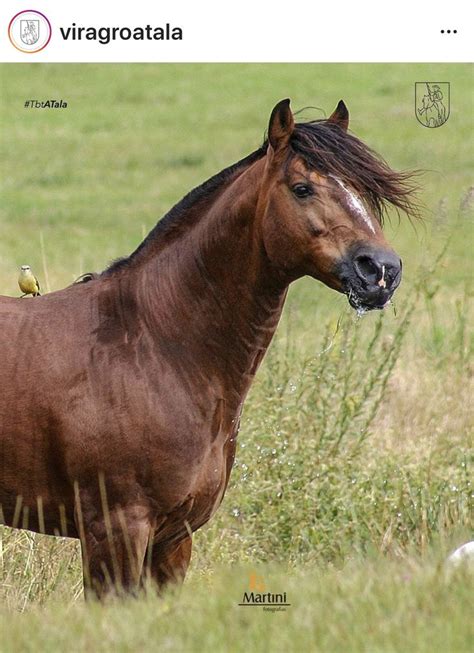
29	284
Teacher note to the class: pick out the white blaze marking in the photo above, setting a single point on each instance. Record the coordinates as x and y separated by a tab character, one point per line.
356	203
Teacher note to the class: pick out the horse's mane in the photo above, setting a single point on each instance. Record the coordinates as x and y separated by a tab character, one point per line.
174	221
324	147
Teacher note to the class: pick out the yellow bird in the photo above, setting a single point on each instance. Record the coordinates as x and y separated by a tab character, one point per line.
29	284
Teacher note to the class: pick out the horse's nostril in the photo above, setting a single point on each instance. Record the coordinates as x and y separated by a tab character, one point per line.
377	269
367	268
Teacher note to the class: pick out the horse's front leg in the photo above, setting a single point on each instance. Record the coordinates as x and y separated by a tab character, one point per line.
113	549
167	563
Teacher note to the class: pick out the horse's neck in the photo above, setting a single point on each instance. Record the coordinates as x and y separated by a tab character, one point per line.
213	290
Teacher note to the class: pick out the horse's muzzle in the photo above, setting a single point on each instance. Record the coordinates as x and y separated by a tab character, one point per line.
370	276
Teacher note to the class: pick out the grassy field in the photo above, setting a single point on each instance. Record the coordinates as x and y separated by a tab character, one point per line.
353	479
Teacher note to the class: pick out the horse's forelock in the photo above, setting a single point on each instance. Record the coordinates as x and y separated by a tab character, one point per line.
330	150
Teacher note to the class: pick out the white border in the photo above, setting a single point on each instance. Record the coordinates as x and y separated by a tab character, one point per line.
258	31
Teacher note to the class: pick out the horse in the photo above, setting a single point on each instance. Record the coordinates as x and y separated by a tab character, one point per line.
122	394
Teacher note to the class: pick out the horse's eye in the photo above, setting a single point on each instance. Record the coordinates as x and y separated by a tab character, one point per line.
302	190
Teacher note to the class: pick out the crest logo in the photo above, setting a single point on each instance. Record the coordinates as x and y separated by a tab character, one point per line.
29	31
432	103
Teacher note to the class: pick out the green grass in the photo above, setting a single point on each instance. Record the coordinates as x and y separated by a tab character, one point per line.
353	473
370	605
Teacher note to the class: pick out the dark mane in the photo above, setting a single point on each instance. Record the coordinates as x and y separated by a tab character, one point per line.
324	147
174	220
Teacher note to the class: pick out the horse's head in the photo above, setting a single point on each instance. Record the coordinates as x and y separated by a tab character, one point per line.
322	200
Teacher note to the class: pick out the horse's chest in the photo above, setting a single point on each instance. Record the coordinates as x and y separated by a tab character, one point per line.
213	477
208	476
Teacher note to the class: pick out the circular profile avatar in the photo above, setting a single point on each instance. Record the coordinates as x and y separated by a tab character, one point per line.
29	31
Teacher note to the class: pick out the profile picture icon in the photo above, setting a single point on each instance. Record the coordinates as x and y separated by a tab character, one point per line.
29	31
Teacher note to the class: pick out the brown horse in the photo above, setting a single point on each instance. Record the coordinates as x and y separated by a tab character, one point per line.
121	397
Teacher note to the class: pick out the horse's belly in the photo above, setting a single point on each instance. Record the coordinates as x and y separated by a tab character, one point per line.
33	491
54	518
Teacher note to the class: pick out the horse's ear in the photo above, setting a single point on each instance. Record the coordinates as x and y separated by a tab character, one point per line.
340	116
281	125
